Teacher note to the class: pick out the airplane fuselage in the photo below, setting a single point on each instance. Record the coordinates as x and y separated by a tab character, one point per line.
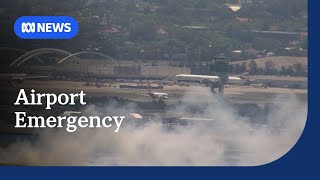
204	78
156	95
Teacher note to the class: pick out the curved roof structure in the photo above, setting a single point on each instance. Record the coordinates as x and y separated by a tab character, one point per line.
85	52
32	53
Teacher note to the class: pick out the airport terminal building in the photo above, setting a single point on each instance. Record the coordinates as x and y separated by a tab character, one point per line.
109	68
102	68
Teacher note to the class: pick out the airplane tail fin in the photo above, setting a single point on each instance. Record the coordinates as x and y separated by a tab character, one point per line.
248	79
245	76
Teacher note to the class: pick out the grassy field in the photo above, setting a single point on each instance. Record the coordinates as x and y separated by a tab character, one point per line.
278	61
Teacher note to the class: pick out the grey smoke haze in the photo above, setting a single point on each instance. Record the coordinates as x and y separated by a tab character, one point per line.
230	142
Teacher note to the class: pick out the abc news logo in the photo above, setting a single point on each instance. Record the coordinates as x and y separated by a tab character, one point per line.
46	27
27	27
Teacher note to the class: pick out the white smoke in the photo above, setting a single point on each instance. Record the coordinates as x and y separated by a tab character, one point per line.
233	140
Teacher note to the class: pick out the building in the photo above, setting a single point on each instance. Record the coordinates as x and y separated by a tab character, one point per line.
109	68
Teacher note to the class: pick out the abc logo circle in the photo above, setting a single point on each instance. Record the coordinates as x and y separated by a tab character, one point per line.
46	27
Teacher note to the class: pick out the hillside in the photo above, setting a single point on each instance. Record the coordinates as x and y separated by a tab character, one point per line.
278	61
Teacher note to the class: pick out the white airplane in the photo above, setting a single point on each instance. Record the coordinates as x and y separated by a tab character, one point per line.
155	95
243	78
192	77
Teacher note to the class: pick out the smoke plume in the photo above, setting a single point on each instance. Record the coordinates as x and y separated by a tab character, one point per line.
231	140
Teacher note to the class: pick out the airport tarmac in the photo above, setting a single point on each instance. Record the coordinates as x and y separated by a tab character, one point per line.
235	94
243	94
232	155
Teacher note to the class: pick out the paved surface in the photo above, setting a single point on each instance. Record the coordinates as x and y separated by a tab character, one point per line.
232	156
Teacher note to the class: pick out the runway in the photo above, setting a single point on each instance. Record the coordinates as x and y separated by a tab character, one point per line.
236	93
235	143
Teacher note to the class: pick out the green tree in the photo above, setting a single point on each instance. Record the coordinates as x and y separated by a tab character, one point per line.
283	70
299	69
144	31
269	67
237	69
253	67
290	71
243	67
266	44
